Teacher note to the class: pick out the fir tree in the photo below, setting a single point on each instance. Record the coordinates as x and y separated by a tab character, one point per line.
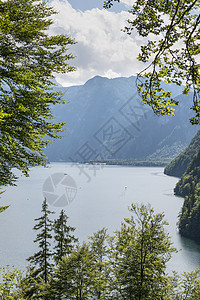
63	237
42	259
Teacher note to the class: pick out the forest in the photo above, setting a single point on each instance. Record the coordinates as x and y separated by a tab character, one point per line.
130	264
187	165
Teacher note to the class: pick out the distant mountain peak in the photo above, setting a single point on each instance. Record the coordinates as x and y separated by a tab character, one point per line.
104	116
95	80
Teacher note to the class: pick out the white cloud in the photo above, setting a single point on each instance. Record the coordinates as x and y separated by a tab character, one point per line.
102	48
127	2
111	74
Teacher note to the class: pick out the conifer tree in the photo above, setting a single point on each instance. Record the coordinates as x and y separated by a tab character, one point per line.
41	260
63	237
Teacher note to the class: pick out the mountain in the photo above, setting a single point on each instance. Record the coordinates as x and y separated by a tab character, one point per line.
187	165
106	120
179	165
190	178
189	186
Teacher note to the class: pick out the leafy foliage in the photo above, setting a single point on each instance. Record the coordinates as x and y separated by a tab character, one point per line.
172	50
75	275
99	246
10	284
141	250
29	59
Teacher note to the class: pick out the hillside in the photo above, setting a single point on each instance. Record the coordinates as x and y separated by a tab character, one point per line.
190	178
187	165
189	186
106	120
178	166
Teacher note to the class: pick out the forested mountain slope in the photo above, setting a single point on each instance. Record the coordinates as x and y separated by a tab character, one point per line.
190	178
178	166
189	186
187	164
106	120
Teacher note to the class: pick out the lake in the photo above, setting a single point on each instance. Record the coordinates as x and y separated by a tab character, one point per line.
93	197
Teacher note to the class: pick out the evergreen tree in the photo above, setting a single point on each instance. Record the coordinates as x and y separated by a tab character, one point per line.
63	238
41	260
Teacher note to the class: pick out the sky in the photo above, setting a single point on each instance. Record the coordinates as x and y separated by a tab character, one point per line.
101	47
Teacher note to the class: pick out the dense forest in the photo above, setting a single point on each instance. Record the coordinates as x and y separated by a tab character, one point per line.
130	264
189	187
179	165
187	164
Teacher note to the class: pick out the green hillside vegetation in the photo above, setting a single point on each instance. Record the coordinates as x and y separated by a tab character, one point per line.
189	225
178	166
188	187
190	178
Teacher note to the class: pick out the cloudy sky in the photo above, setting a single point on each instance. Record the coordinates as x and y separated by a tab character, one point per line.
102	48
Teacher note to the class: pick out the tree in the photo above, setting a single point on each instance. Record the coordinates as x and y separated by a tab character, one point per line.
75	275
63	238
141	249
172	50
16	285
190	285
29	59
43	257
10	284
98	244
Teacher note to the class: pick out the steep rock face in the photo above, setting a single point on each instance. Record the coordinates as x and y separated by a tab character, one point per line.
106	119
179	165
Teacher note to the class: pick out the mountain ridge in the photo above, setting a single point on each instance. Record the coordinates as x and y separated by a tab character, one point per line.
107	115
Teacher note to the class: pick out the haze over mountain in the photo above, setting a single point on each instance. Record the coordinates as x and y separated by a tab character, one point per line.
106	119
